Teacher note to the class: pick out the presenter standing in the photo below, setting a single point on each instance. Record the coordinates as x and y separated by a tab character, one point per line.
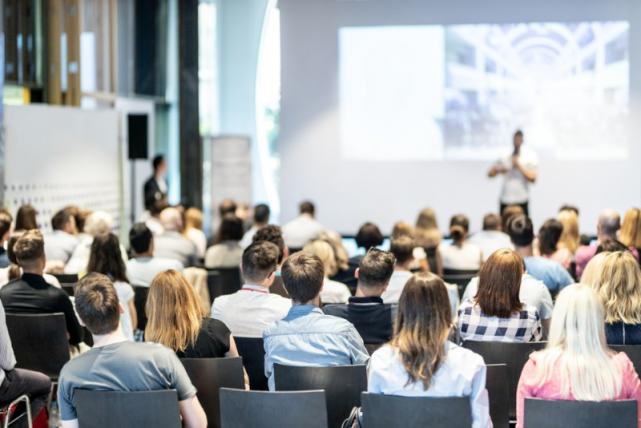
156	186
519	169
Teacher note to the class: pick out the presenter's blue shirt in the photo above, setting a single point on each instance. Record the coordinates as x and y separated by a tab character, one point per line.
551	273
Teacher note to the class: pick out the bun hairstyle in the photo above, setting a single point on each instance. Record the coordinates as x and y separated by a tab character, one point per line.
459	226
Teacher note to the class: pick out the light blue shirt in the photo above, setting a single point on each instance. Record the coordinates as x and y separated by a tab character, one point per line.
553	275
308	337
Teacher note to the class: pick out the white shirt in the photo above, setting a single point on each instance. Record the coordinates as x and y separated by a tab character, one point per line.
227	254
490	241
59	246
142	270
395	287
466	257
199	239
532	292
125	293
154	225
334	292
248	237
249	311
301	230
461	374
172	245
516	188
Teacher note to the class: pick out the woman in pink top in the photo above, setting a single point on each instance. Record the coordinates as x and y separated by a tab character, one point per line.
577	364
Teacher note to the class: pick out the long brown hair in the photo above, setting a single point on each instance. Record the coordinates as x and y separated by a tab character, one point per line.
174	312
422	326
500	283
105	257
630	233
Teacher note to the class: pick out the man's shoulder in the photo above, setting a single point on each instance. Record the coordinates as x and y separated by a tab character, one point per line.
337	309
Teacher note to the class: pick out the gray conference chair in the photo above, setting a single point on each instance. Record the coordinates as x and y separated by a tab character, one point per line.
385	411
580	414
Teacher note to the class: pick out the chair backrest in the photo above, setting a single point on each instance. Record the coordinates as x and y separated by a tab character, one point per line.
140	301
66	278
39	341
498	391
383	411
252	352
459	277
343	386
118	409
209	375
259	409
580	414
514	355
632	351
223	281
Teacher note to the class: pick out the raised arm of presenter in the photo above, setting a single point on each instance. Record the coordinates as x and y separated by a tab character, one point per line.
528	173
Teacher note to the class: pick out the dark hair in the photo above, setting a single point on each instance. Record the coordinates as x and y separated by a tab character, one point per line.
260	260
492	222
261	214
140	238
157	161
97	304
307	207
500	283
230	229
549	235
227	206
376	268
106	258
509	212
402	248
611	246
369	236
81	216
567	207
272	233
26	218
518	133
61	218
29	247
521	231
459	226
5	223
303	275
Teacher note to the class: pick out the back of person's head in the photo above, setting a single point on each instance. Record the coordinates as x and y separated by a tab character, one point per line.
5	225
611	246
369	236
549	236
81	215
274	234
140	238
260	260
193	218
376	269
609	223
157	162
570	238
426	219
340	252
171	220
402	228
98	223
500	283
491	222
231	229
619	288
63	220
568	207
157	207
403	249
520	230
422	327
261	214
592	273
29	249
174	312
105	257
303	276
509	212
227	206
325	252
307	207
459	227
577	349
630	233
26	218
97	304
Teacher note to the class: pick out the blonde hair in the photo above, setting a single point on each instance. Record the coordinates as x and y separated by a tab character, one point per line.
427	233
174	313
570	237
619	288
576	349
193	219
402	228
325	252
592	272
340	253
630	233
98	223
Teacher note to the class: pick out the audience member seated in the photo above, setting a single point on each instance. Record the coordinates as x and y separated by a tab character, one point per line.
15	382
333	291
421	263
226	251
5	233
420	361
553	275
274	234
249	311
117	364
31	293
371	317
143	267
496	313
630	233
13	271
105	258
403	250
507	214
570	238
153	221
26	218
177	320
576	363
460	255
548	241
304	228
61	243
306	336
194	230
261	219
227	207
428	237
368	236
491	238
171	244
619	288
607	227
344	272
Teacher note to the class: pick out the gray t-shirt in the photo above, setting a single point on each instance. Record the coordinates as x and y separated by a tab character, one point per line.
123	366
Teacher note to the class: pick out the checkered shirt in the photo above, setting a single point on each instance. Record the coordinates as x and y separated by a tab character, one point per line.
522	326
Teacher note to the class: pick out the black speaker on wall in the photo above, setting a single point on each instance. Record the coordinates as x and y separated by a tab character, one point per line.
138	132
